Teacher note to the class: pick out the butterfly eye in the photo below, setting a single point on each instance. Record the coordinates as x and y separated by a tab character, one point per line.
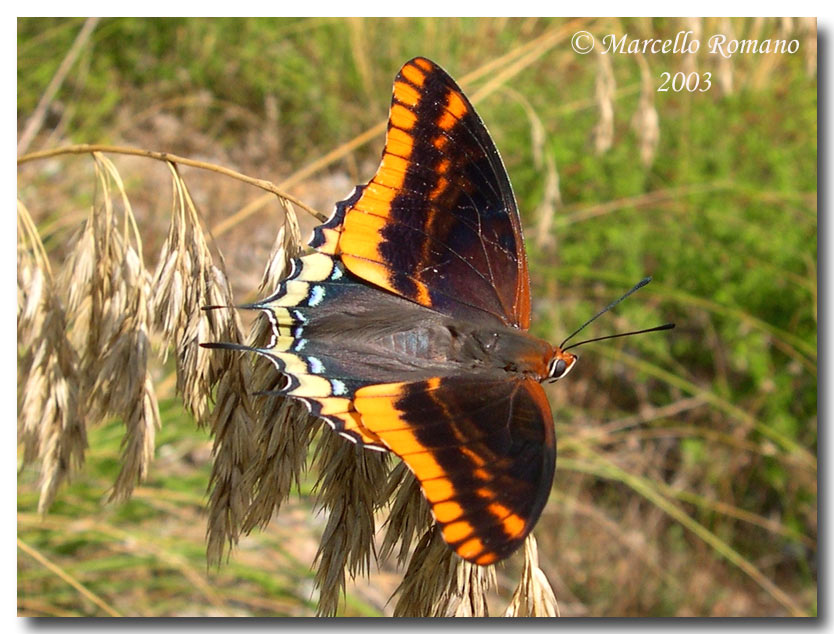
557	368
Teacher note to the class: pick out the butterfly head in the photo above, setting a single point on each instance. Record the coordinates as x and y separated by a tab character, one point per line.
561	363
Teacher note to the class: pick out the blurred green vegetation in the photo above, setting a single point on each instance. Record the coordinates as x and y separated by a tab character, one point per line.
724	217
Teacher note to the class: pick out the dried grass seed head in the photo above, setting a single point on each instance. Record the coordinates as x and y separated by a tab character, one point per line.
533	596
348	488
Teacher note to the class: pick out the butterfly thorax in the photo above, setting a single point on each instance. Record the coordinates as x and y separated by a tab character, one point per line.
473	348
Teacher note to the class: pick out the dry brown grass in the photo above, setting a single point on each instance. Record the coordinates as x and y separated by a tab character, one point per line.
116	307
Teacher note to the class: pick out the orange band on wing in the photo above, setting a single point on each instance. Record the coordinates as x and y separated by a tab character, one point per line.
457	531
399	142
406	94
402	117
413	74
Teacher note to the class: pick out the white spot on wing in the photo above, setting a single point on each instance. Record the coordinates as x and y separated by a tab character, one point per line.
339	387
316	366
316	295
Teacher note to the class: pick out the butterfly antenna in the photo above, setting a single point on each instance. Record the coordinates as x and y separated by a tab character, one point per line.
622	334
636	287
238	306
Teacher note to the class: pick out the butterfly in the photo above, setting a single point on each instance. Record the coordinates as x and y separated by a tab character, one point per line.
406	326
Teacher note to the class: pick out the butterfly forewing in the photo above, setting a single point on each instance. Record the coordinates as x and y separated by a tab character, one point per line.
438	223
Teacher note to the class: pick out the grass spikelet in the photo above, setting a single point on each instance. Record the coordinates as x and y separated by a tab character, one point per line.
283	429
110	300
123	386
426	588
645	118
186	280
50	424
283	432
29	296
605	91
29	311
183	256
231	426
32	269
51	416
408	517
138	442
287	246
95	300
230	420
543	160
438	583
473	582
349	486
533	596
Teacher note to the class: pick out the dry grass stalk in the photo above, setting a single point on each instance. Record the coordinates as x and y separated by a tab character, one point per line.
283	432
550	203
231	426
32	267
230	420
33	125
50	423
108	289
808	31
689	64
473	583
606	89
533	596
282	428
185	281
409	515
724	71
542	160
645	120
438	583
51	414
286	247
138	443
766	65
350	482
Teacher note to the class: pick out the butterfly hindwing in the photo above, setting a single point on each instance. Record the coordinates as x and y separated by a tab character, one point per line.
438	223
483	450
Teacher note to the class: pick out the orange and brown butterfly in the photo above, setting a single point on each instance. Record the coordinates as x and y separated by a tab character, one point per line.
406	327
